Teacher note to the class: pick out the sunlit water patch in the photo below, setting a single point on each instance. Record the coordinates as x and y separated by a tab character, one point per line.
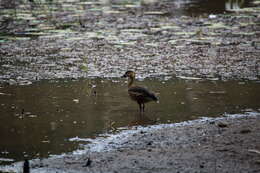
50	117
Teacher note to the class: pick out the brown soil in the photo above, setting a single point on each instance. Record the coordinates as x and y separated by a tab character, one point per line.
229	144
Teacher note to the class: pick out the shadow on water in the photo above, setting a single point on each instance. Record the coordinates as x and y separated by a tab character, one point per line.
30	19
39	119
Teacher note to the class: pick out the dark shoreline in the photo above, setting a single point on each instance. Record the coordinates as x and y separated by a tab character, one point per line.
225	144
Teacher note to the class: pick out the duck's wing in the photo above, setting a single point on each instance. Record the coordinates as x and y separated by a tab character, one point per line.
143	92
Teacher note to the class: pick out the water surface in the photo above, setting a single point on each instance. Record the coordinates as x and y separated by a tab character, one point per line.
39	119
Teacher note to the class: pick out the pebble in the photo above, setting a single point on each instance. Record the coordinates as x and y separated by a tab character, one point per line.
222	124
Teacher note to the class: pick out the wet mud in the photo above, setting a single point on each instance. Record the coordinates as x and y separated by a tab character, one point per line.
152	39
227	144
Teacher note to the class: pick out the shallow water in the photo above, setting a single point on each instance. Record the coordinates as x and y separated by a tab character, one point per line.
39	119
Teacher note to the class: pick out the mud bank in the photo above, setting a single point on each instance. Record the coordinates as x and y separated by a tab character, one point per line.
226	144
149	39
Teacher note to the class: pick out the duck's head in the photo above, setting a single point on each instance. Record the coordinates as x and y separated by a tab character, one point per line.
130	74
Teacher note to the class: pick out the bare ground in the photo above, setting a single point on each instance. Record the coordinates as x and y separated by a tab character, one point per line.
228	144
223	47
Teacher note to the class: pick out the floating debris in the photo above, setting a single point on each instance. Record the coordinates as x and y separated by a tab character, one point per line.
217	92
32	116
76	100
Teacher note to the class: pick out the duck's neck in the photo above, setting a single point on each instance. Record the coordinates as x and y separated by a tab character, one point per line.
130	81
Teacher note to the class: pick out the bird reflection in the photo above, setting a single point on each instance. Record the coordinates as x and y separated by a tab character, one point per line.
141	119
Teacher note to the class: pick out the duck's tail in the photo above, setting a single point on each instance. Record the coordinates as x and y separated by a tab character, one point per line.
154	97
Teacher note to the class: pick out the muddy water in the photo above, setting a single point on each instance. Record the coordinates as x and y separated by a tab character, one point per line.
39	119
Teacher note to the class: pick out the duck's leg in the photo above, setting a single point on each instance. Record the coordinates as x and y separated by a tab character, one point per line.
143	107
140	106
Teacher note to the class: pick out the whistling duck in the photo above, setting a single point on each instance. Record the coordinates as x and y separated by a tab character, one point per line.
138	94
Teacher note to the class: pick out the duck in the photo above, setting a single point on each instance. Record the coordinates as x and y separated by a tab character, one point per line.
139	94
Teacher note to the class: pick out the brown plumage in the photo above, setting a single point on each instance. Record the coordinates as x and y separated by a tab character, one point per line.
138	94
